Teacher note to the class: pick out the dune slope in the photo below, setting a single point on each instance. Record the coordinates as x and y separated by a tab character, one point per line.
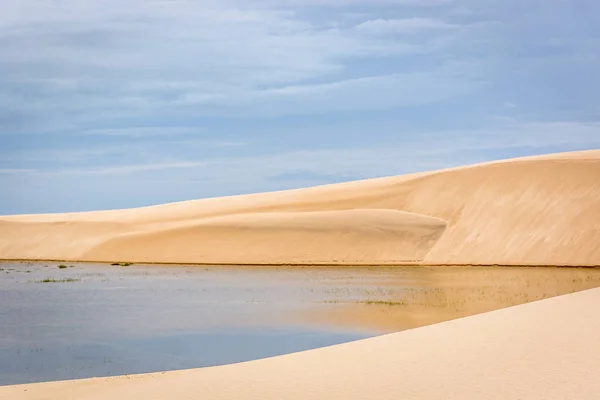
284	237
529	211
541	350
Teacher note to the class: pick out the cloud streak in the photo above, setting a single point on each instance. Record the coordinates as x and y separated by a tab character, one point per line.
144	131
402	26
138	58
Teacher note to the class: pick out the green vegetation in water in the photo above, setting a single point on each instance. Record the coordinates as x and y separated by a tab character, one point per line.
62	266
383	303
52	280
123	264
370	302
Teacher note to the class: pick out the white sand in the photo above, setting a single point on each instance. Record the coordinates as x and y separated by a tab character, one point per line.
542	350
530	211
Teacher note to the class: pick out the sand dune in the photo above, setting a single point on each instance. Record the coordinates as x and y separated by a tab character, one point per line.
541	350
529	211
284	237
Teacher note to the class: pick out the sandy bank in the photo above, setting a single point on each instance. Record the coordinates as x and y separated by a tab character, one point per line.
529	211
541	350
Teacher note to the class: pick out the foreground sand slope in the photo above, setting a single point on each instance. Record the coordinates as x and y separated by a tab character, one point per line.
529	211
541	350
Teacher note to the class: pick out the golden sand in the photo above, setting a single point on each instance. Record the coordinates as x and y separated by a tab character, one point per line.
528	211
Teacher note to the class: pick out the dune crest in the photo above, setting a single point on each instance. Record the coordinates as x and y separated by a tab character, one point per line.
541	210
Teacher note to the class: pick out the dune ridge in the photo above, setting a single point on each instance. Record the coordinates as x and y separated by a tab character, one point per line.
541	350
542	210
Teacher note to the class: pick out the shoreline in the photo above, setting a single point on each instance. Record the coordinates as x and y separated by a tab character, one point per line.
312	264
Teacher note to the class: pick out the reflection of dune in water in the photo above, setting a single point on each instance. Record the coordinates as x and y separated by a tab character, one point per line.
445	293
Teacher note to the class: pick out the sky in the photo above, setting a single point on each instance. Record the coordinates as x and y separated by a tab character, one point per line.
110	104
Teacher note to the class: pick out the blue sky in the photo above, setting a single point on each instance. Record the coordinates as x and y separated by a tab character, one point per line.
112	104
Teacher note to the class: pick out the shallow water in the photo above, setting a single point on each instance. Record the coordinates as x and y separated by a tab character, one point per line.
112	320
101	320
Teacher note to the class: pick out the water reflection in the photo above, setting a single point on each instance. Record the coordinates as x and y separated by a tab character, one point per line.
96	320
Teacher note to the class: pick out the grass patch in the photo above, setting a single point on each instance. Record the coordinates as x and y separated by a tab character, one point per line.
383	303
122	264
62	266
52	280
369	302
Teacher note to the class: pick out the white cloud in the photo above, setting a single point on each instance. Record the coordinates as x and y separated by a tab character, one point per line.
345	3
144	131
402	26
12	171
365	93
124	169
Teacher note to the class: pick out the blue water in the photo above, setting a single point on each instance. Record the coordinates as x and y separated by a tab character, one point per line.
149	354
116	320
